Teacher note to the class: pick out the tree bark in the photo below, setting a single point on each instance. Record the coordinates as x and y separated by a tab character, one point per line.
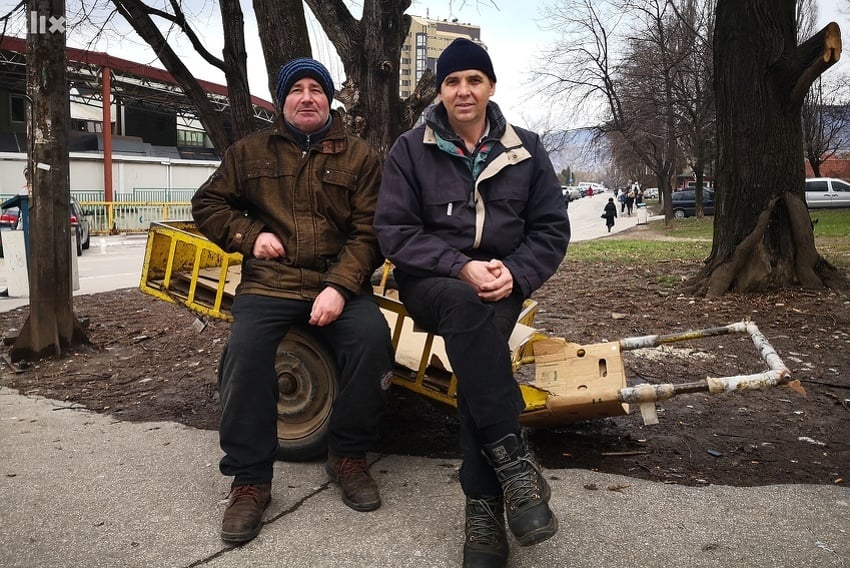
135	12
283	35
370	50
51	325
236	69
763	237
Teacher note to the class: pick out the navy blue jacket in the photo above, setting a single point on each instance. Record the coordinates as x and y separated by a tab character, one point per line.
432	217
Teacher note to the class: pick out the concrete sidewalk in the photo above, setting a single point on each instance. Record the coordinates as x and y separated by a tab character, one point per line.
84	489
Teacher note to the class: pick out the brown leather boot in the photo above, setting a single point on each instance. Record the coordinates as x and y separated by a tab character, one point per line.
243	516
359	490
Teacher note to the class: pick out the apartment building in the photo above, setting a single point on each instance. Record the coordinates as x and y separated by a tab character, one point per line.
425	41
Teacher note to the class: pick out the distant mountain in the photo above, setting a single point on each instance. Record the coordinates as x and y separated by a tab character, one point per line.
577	149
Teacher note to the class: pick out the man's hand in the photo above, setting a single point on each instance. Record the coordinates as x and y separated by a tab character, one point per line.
327	306
268	245
491	280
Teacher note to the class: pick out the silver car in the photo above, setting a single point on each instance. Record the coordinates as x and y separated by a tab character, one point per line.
827	192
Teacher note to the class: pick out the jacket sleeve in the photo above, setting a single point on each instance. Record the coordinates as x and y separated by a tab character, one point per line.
359	256
547	227
399	220
219	212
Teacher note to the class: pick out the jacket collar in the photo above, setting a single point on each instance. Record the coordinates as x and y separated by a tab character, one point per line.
332	141
436	122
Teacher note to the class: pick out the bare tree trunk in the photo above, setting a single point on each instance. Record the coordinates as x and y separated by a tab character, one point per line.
283	35
51	324
236	69
763	237
370	50
135	12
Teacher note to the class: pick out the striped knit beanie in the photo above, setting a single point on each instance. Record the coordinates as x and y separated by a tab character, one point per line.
298	69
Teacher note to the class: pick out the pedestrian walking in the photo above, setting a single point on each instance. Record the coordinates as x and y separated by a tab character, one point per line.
609	213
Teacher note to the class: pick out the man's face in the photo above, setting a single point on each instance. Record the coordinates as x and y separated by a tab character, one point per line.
306	107
465	95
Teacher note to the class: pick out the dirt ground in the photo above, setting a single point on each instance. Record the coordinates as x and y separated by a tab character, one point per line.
146	362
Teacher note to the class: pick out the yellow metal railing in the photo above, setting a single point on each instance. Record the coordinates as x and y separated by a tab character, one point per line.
109	217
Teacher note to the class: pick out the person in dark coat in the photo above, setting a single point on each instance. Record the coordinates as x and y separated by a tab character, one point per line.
610	213
297	200
471	214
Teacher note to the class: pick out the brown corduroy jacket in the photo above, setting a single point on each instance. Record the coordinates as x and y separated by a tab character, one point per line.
320	203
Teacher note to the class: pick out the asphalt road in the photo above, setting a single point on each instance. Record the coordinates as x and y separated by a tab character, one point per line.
111	263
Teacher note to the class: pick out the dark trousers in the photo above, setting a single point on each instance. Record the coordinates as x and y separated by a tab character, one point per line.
476	337
359	341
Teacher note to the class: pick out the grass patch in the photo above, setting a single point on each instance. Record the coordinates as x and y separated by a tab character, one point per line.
645	250
690	239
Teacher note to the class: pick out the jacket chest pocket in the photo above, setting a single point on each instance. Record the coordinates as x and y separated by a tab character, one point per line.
448	208
334	197
263	176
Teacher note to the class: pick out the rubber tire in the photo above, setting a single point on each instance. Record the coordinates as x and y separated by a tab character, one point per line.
79	244
678	214
307	383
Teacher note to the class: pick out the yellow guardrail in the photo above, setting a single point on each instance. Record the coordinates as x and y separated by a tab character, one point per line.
110	217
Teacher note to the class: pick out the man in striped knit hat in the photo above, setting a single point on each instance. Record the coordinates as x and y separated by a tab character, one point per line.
297	201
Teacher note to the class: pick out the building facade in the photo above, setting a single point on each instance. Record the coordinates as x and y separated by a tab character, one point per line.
425	41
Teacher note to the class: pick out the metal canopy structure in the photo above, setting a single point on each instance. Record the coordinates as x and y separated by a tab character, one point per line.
132	84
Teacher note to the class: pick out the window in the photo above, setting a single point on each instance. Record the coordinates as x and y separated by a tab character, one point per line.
818	185
82	125
840	185
18	108
190	138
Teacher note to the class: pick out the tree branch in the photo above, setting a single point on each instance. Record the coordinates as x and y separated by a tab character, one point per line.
818	53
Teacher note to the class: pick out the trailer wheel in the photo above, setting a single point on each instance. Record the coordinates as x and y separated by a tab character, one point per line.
307	385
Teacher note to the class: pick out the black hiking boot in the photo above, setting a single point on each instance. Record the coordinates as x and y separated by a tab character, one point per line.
525	490
486	543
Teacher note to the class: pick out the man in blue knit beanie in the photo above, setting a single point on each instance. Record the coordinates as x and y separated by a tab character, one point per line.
297	200
298	69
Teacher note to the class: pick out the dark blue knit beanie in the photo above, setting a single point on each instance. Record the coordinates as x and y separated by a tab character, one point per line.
298	69
463	54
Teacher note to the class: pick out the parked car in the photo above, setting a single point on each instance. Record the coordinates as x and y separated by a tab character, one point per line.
827	192
572	191
650	193
685	203
9	218
81	225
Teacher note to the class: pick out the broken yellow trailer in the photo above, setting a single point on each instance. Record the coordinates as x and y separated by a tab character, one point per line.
570	382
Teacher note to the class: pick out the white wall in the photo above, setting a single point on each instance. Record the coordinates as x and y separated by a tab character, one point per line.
128	172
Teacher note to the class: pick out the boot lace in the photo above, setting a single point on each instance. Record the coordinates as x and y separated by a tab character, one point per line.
481	524
242	492
523	486
348	467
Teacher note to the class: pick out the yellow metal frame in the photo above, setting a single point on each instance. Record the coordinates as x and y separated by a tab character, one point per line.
572	382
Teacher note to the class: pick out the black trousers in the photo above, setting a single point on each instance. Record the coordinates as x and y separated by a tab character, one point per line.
476	337
360	343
